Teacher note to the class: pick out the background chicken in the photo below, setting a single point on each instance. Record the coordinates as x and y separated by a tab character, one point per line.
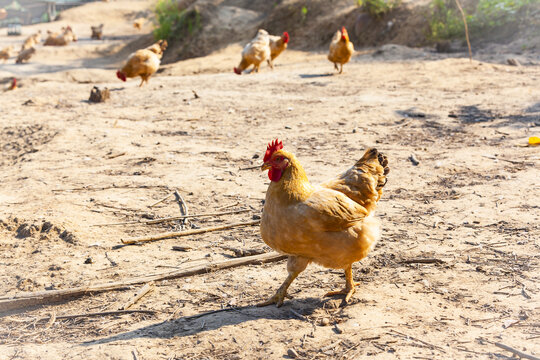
255	52
62	39
97	32
138	23
278	44
5	53
329	224
25	55
143	63
31	41
341	49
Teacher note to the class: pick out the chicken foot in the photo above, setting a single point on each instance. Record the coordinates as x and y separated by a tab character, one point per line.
349	287
295	265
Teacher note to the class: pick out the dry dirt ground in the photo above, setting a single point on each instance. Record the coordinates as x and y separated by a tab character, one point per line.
471	202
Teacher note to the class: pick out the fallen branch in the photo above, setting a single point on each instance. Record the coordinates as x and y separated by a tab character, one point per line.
101	313
418	340
183	208
242	252
8	303
516	352
160	201
507	160
144	290
250	168
173	218
423	261
176	234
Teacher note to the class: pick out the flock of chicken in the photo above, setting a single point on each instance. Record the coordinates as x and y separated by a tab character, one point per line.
264	47
268	47
62	38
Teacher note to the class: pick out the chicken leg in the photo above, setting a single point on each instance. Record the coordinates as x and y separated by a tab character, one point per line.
349	287
295	265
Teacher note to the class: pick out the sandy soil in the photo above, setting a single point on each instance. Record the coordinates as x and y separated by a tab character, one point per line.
68	165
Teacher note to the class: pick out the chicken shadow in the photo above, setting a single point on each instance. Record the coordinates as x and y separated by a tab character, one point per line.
473	114
212	320
311	76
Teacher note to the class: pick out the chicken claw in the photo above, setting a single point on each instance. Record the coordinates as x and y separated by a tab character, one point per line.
277	299
349	287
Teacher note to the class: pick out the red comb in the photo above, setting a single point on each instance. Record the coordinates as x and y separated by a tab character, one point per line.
285	37
271	148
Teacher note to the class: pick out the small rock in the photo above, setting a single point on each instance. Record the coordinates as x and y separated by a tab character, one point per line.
414	160
338	329
292	353
68	237
513	62
325	322
256	217
88	260
97	95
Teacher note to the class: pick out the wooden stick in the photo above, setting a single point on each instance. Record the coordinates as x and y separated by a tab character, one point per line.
242	252
172	218
89	188
418	340
228	206
516	352
102	313
251	168
183	208
466	28
181	203
510	161
144	290
176	234
423	261
160	201
8	303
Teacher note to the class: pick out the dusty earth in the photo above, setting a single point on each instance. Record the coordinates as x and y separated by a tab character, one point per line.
470	204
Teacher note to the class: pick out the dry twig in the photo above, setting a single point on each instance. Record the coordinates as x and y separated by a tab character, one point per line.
466	28
160	201
173	218
422	261
8	303
143	291
176	234
521	354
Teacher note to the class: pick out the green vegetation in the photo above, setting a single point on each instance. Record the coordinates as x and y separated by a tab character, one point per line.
174	22
446	23
378	8
304	13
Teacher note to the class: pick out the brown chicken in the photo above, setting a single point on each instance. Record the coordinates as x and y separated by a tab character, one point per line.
278	44
5	53
330	224
255	52
341	49
143	63
97	32
62	39
138	23
31	41
25	55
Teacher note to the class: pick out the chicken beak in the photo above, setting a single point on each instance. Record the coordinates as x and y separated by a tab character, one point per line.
266	166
